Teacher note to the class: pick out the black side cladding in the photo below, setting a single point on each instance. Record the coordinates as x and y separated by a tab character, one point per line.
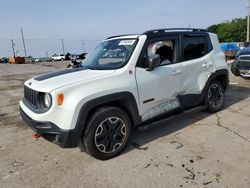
58	73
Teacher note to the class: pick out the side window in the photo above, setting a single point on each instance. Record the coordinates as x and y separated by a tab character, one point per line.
194	47
164	48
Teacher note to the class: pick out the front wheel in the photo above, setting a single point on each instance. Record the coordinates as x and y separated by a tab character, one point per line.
109	132
215	96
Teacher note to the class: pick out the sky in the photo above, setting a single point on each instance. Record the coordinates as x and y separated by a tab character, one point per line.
83	23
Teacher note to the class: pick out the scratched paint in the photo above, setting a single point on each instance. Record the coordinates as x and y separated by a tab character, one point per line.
161	109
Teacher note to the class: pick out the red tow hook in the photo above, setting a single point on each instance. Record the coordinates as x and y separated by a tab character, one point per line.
36	136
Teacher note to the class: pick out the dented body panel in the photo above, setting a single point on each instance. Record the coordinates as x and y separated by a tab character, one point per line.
161	109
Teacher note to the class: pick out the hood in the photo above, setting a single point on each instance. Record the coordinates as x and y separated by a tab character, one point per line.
244	51
54	80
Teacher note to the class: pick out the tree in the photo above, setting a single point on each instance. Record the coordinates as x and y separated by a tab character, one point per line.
230	31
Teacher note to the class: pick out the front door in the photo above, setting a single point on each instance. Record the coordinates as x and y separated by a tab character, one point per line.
159	88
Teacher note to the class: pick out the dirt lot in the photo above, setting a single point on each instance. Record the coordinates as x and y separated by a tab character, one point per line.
200	150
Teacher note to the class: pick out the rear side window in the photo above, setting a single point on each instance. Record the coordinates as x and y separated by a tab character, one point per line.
195	47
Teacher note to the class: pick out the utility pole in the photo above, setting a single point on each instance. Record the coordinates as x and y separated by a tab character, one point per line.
13	47
248	19
83	46
24	47
63	47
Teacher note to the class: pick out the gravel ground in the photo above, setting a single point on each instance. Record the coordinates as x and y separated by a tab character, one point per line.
199	150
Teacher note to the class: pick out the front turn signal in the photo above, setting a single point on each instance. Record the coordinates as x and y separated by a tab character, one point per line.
60	99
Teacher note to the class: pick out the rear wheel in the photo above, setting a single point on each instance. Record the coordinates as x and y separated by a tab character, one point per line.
215	96
109	132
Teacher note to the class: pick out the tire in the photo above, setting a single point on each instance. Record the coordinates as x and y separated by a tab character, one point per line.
234	69
109	129
215	97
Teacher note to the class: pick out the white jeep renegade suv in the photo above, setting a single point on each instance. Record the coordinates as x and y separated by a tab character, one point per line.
126	82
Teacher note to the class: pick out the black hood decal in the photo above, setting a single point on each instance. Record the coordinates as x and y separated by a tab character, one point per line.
58	73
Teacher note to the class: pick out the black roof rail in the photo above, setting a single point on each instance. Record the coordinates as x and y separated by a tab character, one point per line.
119	36
174	29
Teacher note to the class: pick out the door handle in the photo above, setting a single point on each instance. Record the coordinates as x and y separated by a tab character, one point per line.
207	65
204	65
175	72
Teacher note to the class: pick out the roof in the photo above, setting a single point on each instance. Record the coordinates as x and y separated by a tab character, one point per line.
159	31
166	30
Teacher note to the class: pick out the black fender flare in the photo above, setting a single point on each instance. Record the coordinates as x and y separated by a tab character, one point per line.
191	100
127	100
216	75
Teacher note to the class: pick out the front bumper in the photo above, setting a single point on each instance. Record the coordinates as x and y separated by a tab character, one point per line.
243	65
245	72
52	133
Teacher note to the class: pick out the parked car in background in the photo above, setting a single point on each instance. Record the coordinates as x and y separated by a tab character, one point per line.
241	64
74	57
242	45
4	60
33	60
67	56
82	56
56	57
30	60
38	60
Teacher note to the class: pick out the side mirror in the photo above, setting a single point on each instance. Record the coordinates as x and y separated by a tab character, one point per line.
153	61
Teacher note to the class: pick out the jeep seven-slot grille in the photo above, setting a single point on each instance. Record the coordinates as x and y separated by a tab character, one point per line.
30	96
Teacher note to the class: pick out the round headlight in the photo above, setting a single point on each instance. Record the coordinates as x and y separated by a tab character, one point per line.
47	100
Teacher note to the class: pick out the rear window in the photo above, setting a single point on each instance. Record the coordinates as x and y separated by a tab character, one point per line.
195	47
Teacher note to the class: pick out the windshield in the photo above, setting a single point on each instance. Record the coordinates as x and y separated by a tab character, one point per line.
111	54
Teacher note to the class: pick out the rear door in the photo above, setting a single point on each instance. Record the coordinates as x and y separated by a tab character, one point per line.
197	62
